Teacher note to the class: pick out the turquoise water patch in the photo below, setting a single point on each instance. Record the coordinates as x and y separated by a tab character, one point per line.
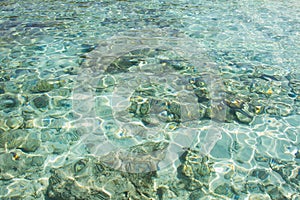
149	100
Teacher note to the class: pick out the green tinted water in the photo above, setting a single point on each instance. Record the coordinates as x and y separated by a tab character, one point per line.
202	97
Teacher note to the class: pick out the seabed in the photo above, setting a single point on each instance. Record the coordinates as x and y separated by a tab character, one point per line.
163	100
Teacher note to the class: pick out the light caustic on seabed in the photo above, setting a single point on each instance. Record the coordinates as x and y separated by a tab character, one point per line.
137	112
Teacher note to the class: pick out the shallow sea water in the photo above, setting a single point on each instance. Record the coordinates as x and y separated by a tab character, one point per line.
150	99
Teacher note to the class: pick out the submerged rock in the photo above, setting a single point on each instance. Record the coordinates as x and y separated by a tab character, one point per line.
254	187
42	86
8	102
15	122
12	139
194	171
19	139
16	163
31	143
262	174
279	109
226	190
275	193
259	197
294	82
220	113
90	179
41	101
197	194
243	117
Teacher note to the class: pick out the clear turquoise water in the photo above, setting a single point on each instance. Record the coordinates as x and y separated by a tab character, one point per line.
61	100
